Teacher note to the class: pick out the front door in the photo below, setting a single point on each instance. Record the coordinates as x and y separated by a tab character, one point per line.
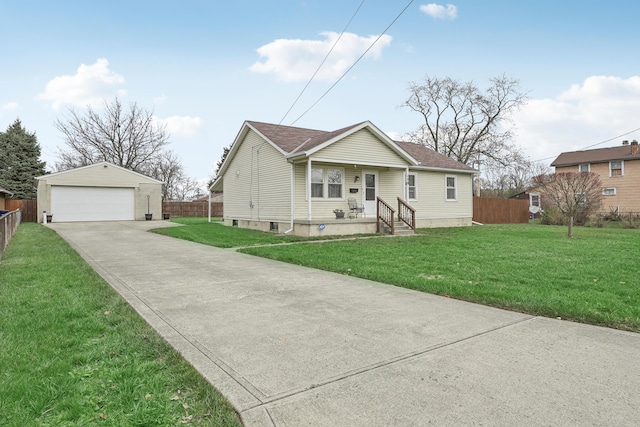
370	191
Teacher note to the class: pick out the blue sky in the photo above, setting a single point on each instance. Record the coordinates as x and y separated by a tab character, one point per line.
203	67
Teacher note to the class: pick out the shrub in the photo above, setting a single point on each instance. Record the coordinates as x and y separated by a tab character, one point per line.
613	214
552	216
630	220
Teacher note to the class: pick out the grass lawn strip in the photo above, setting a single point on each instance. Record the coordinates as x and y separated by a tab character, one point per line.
592	278
73	352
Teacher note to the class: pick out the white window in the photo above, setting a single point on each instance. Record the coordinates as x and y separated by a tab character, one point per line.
616	168
327	183
334	183
317	183
451	187
580	198
609	191
412	185
534	199
584	167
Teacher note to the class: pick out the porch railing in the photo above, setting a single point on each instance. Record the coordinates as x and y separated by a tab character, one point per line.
8	225
406	214
385	213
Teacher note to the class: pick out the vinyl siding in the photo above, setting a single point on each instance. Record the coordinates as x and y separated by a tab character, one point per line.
100	176
627	197
361	146
432	203
97	176
258	175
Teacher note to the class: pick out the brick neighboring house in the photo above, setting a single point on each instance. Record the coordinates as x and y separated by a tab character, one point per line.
619	170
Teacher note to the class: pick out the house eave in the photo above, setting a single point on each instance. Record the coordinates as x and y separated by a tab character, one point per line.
294	155
94	165
447	170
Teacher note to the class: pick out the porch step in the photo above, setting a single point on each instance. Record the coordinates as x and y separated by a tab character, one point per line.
400	228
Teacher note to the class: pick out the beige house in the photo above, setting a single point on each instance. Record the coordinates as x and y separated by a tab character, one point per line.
619	170
99	192
291	180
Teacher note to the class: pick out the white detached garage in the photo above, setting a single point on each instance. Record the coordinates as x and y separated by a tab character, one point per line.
99	192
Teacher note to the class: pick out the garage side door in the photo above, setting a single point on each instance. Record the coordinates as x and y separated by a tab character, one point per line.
70	204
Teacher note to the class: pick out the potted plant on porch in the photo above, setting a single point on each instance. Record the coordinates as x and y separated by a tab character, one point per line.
339	213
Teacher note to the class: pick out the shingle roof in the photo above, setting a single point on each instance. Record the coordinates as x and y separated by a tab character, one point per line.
599	155
288	138
294	139
430	158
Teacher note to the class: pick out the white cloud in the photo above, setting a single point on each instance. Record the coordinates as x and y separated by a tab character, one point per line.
90	85
598	109
184	126
160	99
438	11
9	106
294	59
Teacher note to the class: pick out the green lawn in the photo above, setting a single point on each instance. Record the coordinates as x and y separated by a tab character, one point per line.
73	352
216	234
592	278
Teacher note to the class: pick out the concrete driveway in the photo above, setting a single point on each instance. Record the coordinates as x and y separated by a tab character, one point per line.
294	346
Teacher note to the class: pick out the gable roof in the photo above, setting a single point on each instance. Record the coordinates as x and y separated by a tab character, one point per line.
104	164
296	142
3	191
599	155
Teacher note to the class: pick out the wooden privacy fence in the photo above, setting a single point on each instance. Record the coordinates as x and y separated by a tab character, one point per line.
196	209
29	208
494	210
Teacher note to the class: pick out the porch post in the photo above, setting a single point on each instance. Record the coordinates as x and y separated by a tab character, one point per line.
309	188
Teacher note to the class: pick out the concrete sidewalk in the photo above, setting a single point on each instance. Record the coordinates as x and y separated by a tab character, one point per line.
294	346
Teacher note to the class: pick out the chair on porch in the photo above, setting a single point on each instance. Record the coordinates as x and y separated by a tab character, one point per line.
354	209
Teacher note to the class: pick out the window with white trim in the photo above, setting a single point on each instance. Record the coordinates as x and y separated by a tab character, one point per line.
412	186
450	182
327	183
609	191
616	168
534	199
584	167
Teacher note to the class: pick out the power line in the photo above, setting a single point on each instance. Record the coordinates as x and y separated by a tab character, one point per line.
322	63
596	144
354	64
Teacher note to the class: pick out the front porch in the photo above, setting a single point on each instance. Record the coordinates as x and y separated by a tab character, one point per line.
387	220
335	227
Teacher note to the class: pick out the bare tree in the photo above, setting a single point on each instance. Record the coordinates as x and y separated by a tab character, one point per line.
125	138
188	189
168	169
500	180
462	122
572	193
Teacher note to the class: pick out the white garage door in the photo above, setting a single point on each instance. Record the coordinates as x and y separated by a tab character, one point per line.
91	204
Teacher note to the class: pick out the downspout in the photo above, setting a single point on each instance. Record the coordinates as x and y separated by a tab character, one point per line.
209	204
293	198
406	183
309	189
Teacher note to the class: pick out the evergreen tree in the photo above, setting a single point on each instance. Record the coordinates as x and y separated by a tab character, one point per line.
20	161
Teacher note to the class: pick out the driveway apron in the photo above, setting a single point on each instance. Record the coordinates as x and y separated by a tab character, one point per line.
295	346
